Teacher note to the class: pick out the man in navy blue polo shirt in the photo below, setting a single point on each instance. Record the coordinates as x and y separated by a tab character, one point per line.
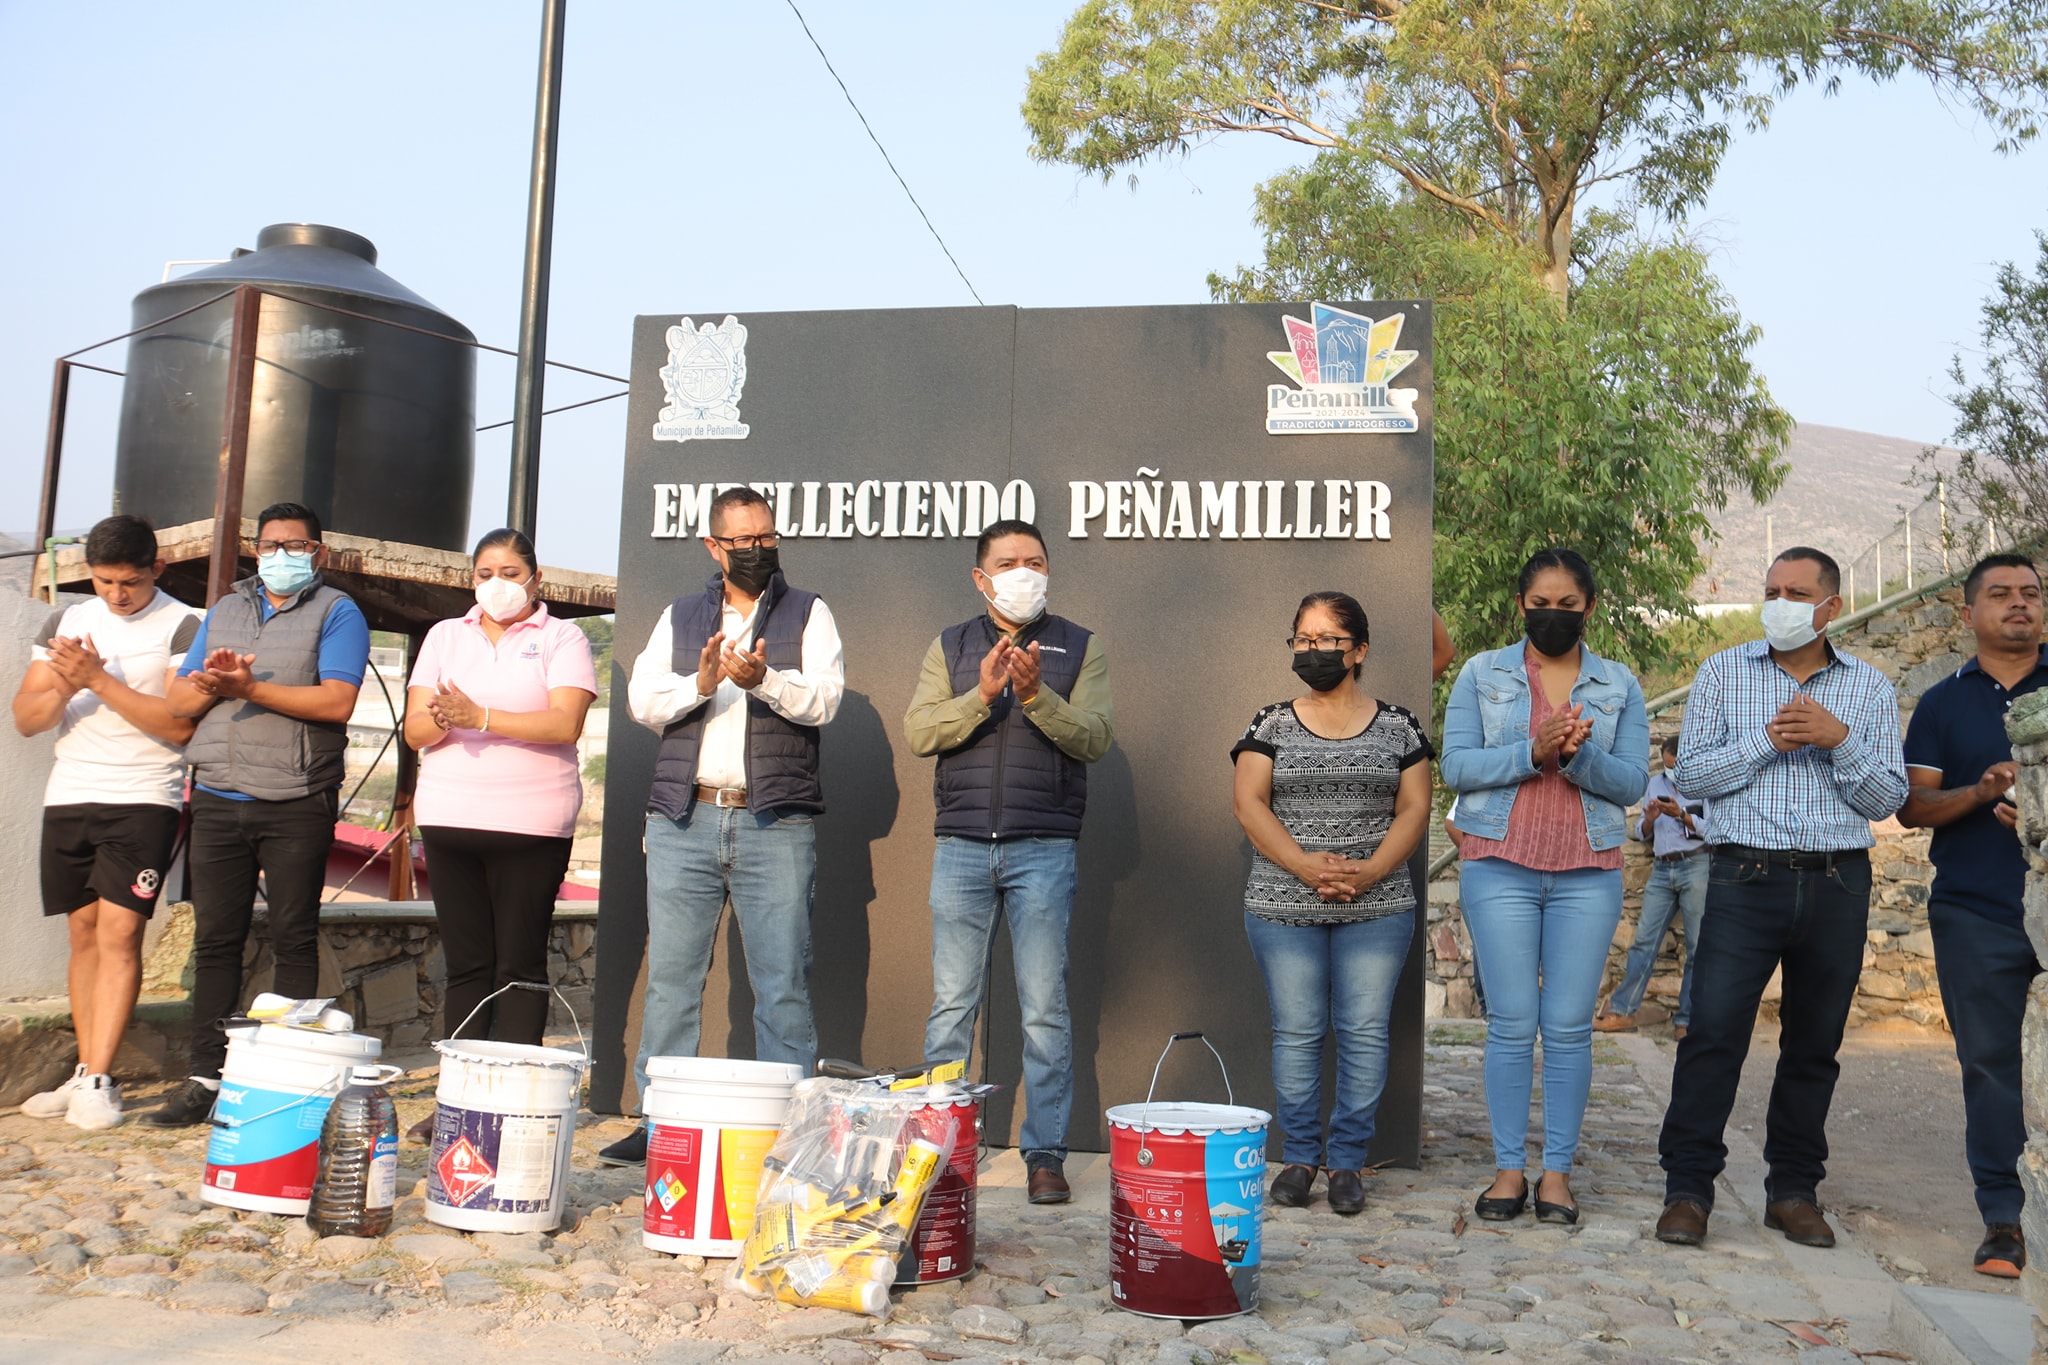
1981	950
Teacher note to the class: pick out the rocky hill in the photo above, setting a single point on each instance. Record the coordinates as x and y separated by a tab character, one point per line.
1845	490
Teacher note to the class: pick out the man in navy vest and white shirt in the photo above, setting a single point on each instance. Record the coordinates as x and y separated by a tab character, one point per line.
1015	705
738	679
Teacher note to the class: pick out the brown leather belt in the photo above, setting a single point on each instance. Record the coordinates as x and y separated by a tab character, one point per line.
723	796
1681	855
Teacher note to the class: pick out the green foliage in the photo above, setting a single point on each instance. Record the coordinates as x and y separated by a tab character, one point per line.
1688	642
593	770
2002	417
1503	112
1611	427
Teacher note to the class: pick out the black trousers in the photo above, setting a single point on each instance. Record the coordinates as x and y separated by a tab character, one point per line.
1986	966
287	841
494	895
1760	915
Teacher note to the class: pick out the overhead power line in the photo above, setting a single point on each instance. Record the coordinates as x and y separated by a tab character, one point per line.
883	150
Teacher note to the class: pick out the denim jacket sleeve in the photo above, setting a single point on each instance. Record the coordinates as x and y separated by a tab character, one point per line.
1468	763
1619	774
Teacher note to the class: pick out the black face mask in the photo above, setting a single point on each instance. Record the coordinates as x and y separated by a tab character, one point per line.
750	569
1553	630
1321	669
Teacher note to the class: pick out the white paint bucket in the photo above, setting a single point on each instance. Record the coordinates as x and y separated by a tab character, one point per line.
504	1122
274	1091
710	1121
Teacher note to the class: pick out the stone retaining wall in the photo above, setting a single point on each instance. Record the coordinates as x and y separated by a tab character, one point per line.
381	960
1915	646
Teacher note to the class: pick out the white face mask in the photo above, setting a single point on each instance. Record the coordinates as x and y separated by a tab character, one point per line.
1788	625
501	598
1019	595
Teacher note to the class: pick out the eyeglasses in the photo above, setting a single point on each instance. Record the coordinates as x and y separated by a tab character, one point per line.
1302	643
295	547
766	542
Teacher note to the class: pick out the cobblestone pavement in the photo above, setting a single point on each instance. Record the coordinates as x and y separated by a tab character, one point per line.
103	1241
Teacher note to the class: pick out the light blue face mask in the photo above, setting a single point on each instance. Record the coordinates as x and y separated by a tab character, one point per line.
285	573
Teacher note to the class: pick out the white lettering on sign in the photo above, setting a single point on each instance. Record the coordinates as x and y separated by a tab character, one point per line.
1115	509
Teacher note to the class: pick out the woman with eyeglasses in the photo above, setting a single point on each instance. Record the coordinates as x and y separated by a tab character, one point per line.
1332	789
495	706
1546	745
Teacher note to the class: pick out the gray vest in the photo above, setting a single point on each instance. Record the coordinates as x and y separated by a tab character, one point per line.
242	747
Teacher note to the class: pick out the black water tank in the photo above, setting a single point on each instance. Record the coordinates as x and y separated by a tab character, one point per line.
373	427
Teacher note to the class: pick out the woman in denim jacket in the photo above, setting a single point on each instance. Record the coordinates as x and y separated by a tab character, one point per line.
1546	745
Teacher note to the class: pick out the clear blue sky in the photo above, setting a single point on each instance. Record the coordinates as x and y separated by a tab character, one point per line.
709	164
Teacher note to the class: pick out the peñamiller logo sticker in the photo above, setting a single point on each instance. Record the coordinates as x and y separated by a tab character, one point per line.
1343	362
707	367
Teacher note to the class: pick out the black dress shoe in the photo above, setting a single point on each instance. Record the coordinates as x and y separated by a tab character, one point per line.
1496	1210
1347	1192
630	1150
1684	1223
1800	1220
1290	1188
193	1104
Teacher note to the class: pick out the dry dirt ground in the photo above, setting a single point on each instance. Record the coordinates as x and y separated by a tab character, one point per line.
1896	1173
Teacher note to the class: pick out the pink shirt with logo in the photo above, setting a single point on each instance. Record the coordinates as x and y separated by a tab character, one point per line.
474	780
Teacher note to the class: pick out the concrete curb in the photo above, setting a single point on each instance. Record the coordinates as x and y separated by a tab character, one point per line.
1846	1279
1957	1327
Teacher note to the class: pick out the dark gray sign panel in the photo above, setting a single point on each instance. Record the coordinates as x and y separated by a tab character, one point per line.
1196	470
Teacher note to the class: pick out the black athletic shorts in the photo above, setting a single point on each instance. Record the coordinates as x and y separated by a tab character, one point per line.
100	851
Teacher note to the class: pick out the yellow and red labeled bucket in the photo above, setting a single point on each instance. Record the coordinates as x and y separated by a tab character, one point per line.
941	1246
1186	1196
710	1122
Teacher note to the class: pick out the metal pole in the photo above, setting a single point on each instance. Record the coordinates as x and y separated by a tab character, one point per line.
53	454
1941	492
234	445
523	500
1878	550
1909	552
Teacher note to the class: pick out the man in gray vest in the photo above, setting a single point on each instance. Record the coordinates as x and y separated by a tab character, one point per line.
738	679
1015	704
271	678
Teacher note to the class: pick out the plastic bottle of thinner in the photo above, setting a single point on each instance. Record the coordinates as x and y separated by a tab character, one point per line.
358	1179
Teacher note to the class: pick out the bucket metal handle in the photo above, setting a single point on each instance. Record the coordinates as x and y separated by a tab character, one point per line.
546	986
1144	1127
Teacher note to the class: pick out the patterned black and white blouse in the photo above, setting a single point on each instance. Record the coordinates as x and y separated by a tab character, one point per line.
1337	796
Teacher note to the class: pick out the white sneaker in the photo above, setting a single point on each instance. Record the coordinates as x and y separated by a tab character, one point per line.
95	1104
53	1104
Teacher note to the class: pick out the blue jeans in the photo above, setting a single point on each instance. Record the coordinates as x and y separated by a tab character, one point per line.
1030	883
1318	976
767	864
1542	940
1676	887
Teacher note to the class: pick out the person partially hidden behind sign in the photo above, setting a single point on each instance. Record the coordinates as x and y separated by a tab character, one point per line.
1546	744
1014	703
272	679
1332	788
110	812
738	679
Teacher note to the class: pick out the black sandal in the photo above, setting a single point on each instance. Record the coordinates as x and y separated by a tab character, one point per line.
1495	1210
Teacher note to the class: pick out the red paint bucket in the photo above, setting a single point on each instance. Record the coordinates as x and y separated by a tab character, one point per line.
1186	1194
941	1246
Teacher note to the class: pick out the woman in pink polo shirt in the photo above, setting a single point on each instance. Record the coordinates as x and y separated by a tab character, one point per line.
495	707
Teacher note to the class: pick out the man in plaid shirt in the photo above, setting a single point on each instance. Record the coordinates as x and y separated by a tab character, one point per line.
1796	746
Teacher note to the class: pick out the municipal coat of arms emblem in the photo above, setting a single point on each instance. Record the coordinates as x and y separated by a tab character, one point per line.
707	367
